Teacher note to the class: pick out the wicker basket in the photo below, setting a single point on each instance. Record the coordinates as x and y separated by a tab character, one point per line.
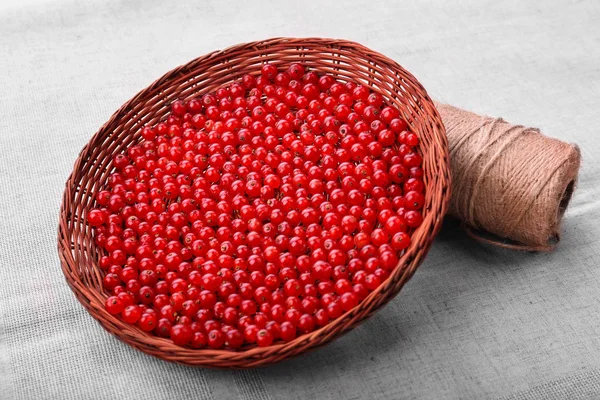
348	61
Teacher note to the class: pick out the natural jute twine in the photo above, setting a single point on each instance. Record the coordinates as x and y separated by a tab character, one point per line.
510	183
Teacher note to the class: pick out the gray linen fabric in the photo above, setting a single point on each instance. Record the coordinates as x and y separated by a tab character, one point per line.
473	323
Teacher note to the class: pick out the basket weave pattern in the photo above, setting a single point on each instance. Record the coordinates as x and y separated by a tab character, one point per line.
346	61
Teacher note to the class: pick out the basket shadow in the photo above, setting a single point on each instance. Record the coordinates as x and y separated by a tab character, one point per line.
381	333
388	333
390	329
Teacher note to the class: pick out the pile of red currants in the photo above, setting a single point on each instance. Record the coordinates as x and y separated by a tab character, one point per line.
259	212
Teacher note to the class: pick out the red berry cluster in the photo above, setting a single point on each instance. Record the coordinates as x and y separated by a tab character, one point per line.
259	212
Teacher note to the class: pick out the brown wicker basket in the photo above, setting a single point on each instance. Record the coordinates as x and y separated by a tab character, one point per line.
348	61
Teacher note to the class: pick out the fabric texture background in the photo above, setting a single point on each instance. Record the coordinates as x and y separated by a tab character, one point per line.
474	322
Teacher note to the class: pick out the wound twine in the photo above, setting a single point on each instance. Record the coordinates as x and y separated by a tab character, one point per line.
510	183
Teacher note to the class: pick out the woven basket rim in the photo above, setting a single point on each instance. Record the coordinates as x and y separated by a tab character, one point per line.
92	298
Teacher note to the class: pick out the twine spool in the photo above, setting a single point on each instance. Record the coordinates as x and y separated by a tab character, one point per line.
510	183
